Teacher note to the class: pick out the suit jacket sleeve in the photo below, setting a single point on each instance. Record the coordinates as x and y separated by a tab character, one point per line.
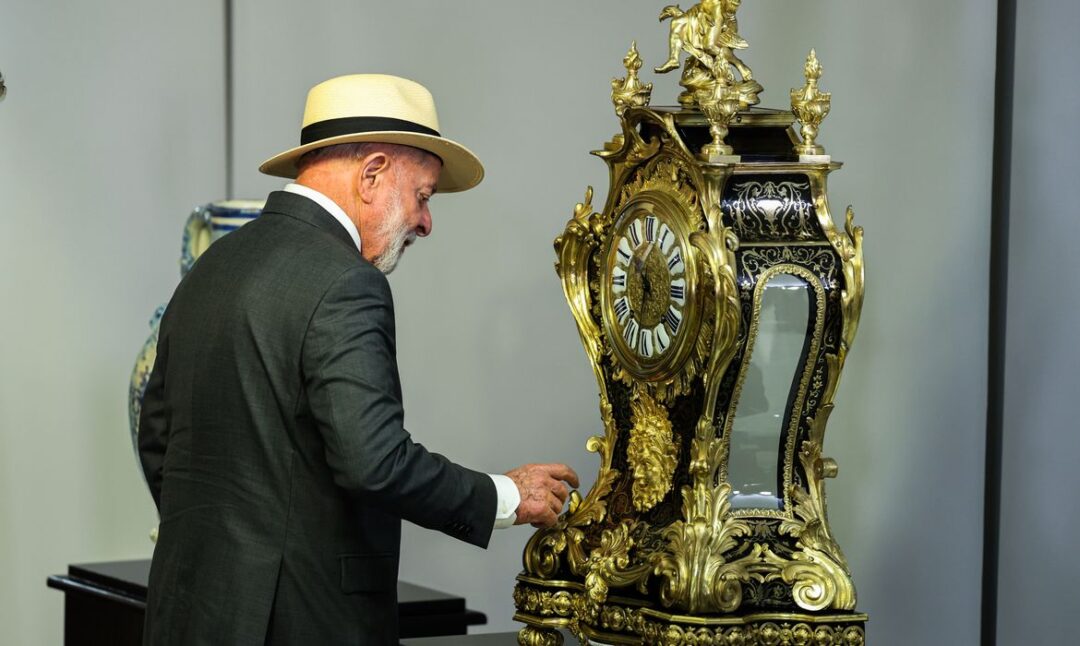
350	375
153	421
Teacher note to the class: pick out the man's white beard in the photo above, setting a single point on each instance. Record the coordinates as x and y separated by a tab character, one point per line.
396	232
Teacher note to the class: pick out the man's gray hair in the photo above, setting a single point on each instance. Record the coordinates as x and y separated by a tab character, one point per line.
357	151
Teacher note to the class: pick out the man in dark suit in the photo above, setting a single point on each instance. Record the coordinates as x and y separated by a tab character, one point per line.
271	433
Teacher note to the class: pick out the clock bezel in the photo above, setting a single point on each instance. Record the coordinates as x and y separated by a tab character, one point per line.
676	216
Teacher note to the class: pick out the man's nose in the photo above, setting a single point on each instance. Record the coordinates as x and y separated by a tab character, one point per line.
424	227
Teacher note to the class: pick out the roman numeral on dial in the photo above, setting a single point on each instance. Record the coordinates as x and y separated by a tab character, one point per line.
672	319
678	291
645	344
618	279
662	339
675	262
635	232
622	309
630	334
650	228
666	238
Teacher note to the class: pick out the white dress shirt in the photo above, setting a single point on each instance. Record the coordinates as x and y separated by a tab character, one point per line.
330	206
506	491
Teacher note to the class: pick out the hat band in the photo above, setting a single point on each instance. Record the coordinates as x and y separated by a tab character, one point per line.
356	125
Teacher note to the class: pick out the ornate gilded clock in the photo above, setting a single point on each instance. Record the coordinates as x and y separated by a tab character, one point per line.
716	300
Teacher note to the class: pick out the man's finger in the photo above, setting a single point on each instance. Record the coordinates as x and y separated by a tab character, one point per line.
554	504
545	519
563	472
561	491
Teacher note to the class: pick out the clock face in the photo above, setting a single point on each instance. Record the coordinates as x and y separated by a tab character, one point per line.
647	286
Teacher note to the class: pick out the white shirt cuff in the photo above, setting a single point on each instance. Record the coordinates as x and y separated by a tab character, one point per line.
508	500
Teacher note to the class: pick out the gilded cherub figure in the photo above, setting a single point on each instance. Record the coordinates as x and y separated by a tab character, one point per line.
729	38
690	30
709	33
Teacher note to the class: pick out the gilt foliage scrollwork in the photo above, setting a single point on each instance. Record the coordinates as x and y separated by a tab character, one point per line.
851	298
574	249
610	565
544	551
848	244
670	175
822	567
694	573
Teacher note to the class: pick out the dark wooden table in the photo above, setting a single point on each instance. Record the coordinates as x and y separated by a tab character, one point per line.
105	602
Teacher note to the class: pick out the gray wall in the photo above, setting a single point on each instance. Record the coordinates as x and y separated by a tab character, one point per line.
111	131
493	372
1039	518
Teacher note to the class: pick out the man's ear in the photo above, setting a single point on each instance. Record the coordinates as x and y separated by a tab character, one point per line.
371	174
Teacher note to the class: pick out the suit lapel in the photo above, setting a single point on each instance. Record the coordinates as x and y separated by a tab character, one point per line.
306	210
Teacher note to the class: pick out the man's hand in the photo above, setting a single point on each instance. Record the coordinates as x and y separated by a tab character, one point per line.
543	492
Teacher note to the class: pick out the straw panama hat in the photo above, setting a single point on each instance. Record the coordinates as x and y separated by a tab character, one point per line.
382	108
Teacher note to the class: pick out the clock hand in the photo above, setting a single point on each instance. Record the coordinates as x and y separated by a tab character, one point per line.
648	250
645	284
639	261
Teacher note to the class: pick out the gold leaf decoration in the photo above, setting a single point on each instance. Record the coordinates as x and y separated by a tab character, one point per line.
610	565
651	451
630	92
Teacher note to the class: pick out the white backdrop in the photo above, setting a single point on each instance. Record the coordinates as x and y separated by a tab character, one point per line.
111	131
113	128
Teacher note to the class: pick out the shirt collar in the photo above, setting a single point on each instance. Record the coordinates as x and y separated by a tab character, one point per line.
330	206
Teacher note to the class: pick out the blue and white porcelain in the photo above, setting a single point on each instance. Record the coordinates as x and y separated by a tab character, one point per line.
205	225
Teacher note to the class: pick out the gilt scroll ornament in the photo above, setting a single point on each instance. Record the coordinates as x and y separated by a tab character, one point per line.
667	282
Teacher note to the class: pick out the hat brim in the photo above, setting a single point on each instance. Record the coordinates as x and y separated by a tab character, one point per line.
461	169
